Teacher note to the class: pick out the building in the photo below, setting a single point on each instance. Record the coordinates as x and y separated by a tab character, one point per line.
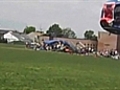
35	35
118	43
10	37
16	36
2	32
106	41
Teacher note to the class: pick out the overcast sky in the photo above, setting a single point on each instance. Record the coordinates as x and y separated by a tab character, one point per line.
79	15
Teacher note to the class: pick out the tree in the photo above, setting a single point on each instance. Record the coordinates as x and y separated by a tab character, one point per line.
89	34
54	30
68	33
29	29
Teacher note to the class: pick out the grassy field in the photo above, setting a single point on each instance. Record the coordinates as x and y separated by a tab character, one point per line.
22	69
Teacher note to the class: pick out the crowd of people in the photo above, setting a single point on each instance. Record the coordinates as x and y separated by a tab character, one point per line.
110	53
60	46
55	46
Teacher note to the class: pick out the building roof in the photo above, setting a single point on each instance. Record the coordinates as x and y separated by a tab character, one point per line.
5	30
2	32
21	37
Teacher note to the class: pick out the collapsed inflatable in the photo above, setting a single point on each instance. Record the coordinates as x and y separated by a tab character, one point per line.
110	16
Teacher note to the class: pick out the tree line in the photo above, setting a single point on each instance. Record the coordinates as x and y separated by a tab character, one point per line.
56	31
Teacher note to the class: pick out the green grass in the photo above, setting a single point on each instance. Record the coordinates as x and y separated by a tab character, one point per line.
22	69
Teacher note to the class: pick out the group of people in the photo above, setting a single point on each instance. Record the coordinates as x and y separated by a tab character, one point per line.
110	53
57	46
61	47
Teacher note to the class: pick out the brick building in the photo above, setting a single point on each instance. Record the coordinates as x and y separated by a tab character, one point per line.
118	43
106	41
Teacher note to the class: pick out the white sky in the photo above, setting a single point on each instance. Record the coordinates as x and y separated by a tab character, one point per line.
79	15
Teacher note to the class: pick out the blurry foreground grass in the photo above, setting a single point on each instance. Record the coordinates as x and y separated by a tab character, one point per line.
22	69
